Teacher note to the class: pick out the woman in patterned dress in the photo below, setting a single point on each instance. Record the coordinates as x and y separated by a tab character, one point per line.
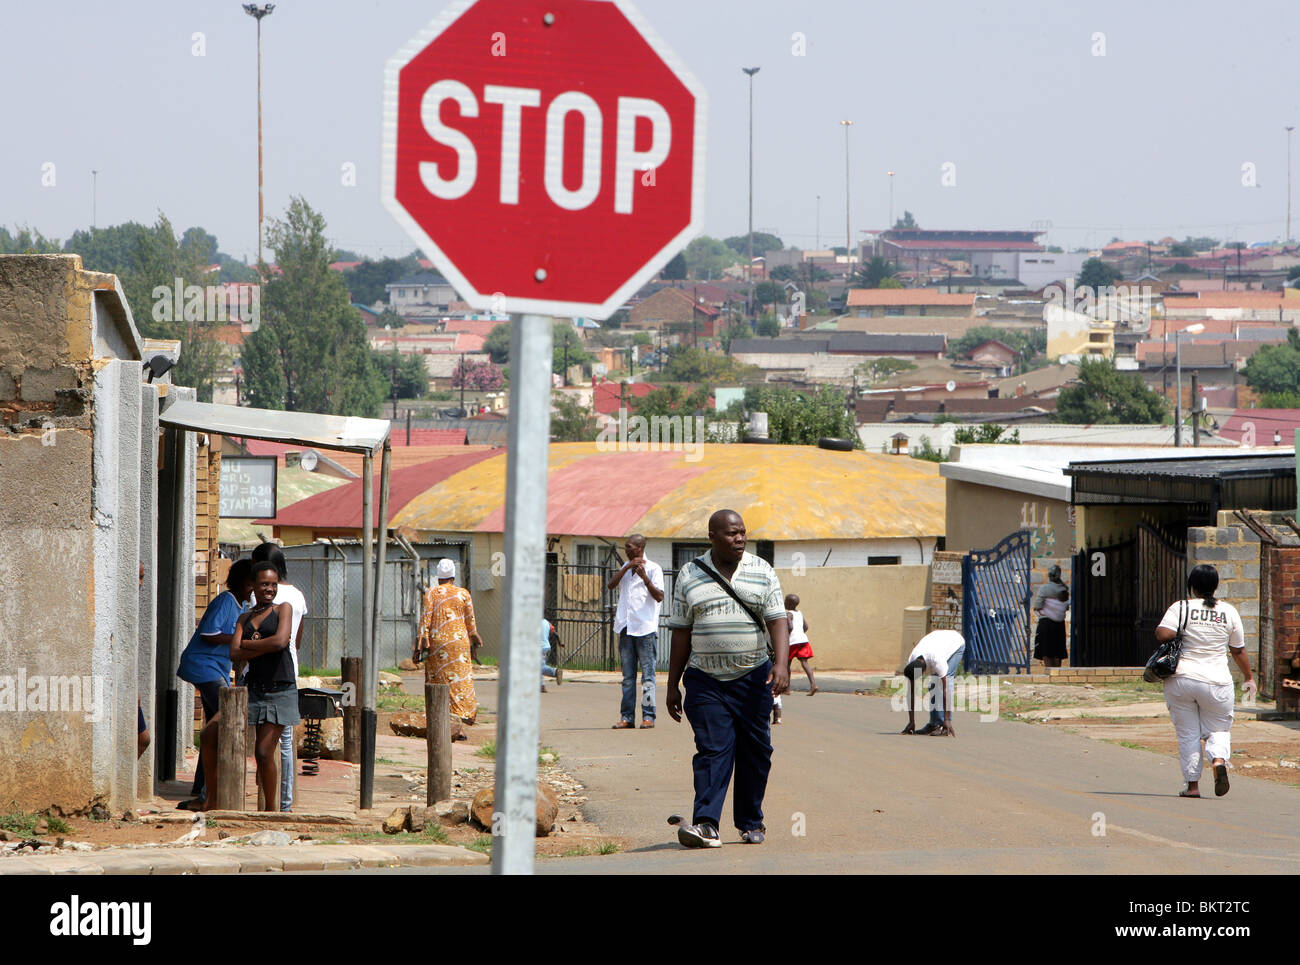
450	638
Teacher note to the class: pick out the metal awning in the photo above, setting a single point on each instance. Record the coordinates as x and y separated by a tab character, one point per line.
350	434
1265	482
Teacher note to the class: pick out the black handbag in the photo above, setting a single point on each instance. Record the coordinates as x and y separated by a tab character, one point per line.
1164	662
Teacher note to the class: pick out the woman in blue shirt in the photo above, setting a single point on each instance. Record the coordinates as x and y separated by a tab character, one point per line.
206	664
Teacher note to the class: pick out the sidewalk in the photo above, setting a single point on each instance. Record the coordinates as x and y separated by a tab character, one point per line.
241	859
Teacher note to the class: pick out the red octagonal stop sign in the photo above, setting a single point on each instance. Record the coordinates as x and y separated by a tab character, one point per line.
547	155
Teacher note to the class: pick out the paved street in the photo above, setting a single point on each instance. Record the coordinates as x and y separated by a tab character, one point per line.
1003	796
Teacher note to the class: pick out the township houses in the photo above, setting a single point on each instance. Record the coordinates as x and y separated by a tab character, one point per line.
677	309
836	525
834	358
882	302
420	296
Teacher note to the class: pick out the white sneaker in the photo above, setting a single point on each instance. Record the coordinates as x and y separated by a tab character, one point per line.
698	836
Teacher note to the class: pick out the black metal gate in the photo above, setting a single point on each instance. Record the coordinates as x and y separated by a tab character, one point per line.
995	606
581	606
1120	592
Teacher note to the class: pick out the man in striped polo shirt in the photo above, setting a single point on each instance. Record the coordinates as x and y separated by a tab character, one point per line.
721	652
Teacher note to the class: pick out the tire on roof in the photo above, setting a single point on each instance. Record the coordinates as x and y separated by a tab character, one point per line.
838	445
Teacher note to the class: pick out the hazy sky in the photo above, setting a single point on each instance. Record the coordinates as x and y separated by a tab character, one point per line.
1144	140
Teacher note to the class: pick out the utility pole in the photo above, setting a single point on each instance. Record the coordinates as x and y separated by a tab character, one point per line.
749	270
848	242
462	385
94	186
1289	129
257	13
891	199
819	222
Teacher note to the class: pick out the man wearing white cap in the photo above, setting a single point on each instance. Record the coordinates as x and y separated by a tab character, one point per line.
449	640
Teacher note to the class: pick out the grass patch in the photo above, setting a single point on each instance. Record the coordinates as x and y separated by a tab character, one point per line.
488	661
482	844
583	851
24	823
432	833
389	760
489	749
1134	746
400	702
548	750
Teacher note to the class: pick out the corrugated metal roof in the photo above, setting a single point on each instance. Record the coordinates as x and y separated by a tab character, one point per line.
308	428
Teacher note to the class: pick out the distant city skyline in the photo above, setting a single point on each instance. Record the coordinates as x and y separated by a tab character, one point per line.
1121	120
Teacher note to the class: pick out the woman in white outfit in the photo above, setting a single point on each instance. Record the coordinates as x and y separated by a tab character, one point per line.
1199	695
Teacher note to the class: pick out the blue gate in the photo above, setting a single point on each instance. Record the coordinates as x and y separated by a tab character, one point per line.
995	606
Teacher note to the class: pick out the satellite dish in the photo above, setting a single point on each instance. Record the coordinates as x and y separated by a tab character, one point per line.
951	386
309	460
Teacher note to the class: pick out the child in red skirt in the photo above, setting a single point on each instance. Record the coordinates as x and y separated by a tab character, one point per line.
800	648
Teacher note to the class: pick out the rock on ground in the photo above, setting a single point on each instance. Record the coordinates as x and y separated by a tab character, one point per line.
412	723
548	808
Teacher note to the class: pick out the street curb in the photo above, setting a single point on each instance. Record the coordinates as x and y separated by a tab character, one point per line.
241	860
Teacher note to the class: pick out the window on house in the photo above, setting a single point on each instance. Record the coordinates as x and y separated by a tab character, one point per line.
585	554
883	560
683	553
894	310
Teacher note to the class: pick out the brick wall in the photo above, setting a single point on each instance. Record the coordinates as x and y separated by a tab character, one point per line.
208	575
1285	587
945	591
1234	552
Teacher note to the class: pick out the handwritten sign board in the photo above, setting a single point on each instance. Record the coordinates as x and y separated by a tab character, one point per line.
248	487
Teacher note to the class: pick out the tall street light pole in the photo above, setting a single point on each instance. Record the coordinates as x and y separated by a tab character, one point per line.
1289	129
94	187
1178	363
819	222
848	237
257	13
749	270
891	199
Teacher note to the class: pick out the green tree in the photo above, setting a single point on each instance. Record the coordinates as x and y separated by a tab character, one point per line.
687	364
1105	396
1181	249
708	257
310	353
872	272
763	243
906	221
1028	343
784	273
670	400
577	354
1096	274
497	344
675	270
987	432
27	241
571	421
876	371
1291	275
404	372
1275	368
768	293
800	418
366	281
769	326
147	261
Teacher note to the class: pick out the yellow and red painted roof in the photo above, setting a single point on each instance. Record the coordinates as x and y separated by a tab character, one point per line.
783	492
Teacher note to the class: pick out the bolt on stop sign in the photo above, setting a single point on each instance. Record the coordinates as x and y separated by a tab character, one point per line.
548	157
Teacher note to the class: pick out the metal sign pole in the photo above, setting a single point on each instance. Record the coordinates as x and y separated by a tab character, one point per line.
515	819
368	676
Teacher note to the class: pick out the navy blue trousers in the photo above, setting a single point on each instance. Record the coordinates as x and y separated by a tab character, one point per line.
732	731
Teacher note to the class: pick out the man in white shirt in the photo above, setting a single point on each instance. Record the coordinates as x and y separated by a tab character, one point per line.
640	585
938	653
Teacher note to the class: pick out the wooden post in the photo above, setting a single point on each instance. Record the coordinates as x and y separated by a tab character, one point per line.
437	731
233	707
352	711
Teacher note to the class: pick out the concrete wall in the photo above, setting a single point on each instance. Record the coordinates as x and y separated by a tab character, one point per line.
71	506
981	516
857	613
